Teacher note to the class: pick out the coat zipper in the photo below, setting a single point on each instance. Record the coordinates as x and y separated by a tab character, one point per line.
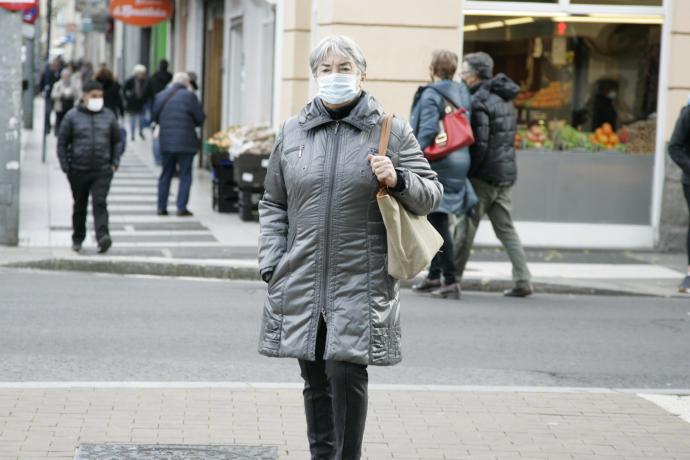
324	279
93	143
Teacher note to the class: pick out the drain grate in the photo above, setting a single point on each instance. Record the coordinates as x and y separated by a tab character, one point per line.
174	452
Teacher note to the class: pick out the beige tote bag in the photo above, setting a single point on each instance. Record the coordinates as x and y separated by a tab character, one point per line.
412	241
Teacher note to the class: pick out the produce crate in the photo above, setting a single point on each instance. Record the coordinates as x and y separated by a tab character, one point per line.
225	191
209	148
250	171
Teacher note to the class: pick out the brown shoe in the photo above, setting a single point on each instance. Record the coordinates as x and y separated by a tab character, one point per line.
451	291
519	292
184	213
427	285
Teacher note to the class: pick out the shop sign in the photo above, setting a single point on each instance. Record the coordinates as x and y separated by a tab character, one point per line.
18	5
142	13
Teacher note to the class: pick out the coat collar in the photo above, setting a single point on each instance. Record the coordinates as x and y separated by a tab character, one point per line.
364	115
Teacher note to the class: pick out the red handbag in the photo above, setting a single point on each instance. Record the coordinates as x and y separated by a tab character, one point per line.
455	132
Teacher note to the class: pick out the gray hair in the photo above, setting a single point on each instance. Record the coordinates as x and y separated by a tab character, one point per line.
481	64
140	68
181	78
340	45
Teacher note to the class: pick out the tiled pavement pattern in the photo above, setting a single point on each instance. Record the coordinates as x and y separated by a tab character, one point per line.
441	424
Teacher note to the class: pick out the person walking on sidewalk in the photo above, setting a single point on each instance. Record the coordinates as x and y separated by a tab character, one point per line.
178	113
428	108
493	171
138	93
679	150
64	94
89	149
322	246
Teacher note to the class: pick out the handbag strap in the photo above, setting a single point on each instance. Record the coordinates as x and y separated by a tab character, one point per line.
386	128
448	102
158	114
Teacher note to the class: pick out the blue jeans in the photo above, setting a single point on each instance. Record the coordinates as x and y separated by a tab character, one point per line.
133	117
157	152
170	161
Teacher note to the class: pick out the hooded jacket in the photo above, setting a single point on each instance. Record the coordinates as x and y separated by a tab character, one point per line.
323	238
89	141
679	146
494	123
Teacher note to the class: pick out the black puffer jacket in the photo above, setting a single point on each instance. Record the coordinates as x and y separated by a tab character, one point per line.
89	141
679	146
494	124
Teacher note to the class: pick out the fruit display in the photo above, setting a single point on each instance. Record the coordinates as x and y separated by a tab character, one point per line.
554	96
258	138
569	138
605	137
535	137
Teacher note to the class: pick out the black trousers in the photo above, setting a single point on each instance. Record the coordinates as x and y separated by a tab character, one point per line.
443	260
335	403
83	184
686	191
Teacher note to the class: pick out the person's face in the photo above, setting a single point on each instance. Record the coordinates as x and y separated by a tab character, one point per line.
93	94
66	76
140	75
468	75
339	64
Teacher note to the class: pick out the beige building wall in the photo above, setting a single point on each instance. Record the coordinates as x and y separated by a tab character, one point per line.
679	72
397	36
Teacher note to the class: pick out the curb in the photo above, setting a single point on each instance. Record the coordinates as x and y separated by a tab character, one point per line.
228	272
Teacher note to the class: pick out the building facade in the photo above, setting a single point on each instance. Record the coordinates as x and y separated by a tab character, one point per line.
602	83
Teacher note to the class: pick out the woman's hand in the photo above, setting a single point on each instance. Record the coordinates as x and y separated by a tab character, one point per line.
382	166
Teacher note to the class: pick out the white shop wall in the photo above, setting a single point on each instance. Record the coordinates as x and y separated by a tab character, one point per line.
248	62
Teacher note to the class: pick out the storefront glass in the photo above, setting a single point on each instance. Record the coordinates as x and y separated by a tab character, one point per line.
586	110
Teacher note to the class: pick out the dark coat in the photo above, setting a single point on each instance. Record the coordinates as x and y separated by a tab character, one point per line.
428	108
136	104
679	146
178	120
89	141
160	80
494	123
112	97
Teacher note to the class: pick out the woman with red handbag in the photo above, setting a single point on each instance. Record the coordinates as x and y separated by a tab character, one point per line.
440	120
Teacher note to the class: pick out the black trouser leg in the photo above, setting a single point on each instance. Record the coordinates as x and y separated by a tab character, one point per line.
80	183
686	191
99	200
349	383
317	402
443	260
335	401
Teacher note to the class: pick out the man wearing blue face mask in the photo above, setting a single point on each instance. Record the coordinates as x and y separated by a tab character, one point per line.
322	249
89	150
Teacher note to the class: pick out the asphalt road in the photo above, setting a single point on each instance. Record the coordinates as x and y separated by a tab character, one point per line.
90	327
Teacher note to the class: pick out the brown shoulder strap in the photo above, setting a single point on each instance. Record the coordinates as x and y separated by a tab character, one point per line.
386	128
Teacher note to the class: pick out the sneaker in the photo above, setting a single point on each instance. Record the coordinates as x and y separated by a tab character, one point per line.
162	212
141	134
185	213
76	247
684	287
449	291
519	291
427	285
104	244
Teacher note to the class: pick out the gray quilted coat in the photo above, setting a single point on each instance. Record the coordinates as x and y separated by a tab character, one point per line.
323	237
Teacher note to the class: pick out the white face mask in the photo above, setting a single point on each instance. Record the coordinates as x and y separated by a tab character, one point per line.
338	88
95	104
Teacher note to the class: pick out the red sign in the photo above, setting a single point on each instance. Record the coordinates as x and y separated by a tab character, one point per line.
142	13
18	5
30	15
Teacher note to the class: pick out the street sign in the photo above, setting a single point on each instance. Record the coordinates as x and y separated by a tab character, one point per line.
30	15
18	5
142	13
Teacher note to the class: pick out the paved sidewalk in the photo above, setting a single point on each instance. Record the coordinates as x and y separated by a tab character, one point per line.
212	244
422	423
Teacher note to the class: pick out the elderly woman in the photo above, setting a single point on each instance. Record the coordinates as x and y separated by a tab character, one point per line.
331	303
65	93
428	108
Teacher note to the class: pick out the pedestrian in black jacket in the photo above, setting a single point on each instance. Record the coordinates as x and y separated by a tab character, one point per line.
679	150
89	149
493	169
161	78
112	92
138	96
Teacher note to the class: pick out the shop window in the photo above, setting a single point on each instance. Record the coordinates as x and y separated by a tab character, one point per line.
618	2
586	111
